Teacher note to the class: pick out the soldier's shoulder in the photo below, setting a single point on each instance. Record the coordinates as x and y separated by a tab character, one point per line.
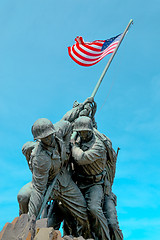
62	128
99	143
38	150
40	157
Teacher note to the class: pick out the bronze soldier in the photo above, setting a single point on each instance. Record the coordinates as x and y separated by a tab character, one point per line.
54	211
25	192
89	156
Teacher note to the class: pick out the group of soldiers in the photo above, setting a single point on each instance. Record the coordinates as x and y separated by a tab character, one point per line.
81	162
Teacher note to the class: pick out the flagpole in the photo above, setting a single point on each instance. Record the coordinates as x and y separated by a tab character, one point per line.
110	60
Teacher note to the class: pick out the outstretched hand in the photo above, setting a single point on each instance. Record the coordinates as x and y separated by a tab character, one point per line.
89	100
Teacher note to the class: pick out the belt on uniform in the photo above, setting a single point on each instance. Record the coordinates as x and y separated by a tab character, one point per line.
90	178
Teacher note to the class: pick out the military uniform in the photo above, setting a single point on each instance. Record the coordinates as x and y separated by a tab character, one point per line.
90	161
25	192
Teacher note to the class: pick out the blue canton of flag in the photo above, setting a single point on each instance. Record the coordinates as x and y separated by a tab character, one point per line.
109	41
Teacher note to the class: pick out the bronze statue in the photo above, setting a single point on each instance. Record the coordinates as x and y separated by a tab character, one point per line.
73	168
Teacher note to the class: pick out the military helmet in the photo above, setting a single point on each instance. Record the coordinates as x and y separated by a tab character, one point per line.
28	146
83	124
42	128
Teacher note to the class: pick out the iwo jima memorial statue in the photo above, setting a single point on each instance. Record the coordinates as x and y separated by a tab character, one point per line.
73	168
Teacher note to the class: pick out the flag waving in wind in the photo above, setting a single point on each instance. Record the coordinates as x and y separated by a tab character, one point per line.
89	53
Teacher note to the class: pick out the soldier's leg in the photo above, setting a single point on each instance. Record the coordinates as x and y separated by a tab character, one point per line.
110	213
59	214
94	198
55	216
23	198
73	200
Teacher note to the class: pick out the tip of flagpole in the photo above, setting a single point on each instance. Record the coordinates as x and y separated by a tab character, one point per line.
131	21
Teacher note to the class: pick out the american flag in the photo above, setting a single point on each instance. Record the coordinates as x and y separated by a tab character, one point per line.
89	53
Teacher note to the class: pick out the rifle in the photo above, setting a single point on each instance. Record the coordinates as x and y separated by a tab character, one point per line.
117	151
47	195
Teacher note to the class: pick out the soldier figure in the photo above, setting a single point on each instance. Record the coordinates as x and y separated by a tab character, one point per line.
25	192
89	156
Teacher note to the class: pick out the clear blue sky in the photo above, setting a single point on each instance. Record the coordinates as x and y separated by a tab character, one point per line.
38	79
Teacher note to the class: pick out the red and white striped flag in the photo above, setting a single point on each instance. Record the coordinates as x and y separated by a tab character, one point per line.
89	53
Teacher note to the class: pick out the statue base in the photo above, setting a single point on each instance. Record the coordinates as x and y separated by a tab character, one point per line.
22	228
